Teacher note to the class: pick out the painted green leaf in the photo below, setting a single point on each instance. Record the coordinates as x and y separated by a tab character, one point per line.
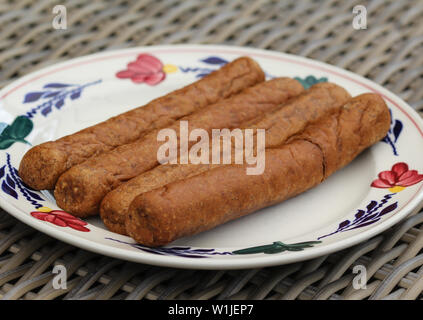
277	247
308	81
258	249
16	132
274	250
307	244
20	128
6	142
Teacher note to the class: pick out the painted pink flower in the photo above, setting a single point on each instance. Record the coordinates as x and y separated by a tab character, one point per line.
146	69
397	178
60	218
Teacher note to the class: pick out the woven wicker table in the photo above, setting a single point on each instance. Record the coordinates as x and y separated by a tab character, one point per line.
389	52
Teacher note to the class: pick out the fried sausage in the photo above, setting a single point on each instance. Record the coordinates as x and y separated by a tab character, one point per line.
291	118
204	201
43	164
81	189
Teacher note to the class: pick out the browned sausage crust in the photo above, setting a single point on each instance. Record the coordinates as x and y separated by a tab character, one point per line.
81	189
291	118
204	201
43	164
115	204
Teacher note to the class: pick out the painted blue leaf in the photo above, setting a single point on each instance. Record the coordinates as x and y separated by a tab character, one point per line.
371	205
389	209
10	182
177	248
215	60
397	129
151	251
60	103
365	224
75	95
46	111
190	256
33	96
2	170
183	69
51	94
9	190
359	214
34	195
201	75
202	250
370	217
343	224
56	85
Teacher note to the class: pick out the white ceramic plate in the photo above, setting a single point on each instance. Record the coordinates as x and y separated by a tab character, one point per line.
342	211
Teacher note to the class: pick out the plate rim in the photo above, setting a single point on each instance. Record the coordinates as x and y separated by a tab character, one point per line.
209	264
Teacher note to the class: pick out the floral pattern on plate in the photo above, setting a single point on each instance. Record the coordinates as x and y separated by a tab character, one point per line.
60	218
395	180
42	97
145	69
398	178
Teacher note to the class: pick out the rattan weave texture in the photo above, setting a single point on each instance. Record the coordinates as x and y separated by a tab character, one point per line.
389	52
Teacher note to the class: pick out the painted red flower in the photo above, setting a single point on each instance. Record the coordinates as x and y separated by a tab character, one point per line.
60	218
146	69
397	178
